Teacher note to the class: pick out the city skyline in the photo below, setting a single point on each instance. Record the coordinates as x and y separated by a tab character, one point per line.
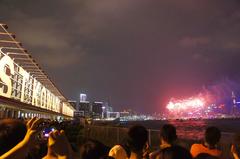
132	53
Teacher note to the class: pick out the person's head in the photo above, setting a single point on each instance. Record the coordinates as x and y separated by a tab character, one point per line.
137	138
168	134
175	152
92	149
212	136
12	131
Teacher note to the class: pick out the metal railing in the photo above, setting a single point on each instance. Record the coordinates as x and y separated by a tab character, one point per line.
110	136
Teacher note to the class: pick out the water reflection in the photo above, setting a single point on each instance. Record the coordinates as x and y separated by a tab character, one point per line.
190	129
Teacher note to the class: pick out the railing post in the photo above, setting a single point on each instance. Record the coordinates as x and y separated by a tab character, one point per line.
149	137
118	135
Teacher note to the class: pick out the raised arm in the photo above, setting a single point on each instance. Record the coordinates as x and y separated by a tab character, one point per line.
58	146
234	152
21	150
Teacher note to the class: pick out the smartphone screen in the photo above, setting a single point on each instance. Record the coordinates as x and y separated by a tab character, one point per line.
46	131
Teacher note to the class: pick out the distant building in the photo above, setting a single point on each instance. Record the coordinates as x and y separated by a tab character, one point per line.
97	109
110	109
234	104
107	108
124	114
78	114
117	114
86	108
83	97
74	104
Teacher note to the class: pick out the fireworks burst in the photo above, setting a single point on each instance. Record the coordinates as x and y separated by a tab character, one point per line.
212	101
186	104
192	107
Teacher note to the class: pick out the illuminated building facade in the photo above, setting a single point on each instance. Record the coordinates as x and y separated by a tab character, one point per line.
25	90
83	97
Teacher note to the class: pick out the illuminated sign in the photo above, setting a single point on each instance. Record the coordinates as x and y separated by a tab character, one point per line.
17	83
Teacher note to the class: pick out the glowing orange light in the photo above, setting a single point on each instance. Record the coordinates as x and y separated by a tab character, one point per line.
190	103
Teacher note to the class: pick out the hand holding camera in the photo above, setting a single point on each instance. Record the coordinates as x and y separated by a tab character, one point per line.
58	143
32	131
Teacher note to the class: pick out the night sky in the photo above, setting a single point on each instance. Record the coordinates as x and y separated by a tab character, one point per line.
133	53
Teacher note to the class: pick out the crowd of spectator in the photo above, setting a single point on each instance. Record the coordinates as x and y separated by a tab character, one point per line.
38	138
